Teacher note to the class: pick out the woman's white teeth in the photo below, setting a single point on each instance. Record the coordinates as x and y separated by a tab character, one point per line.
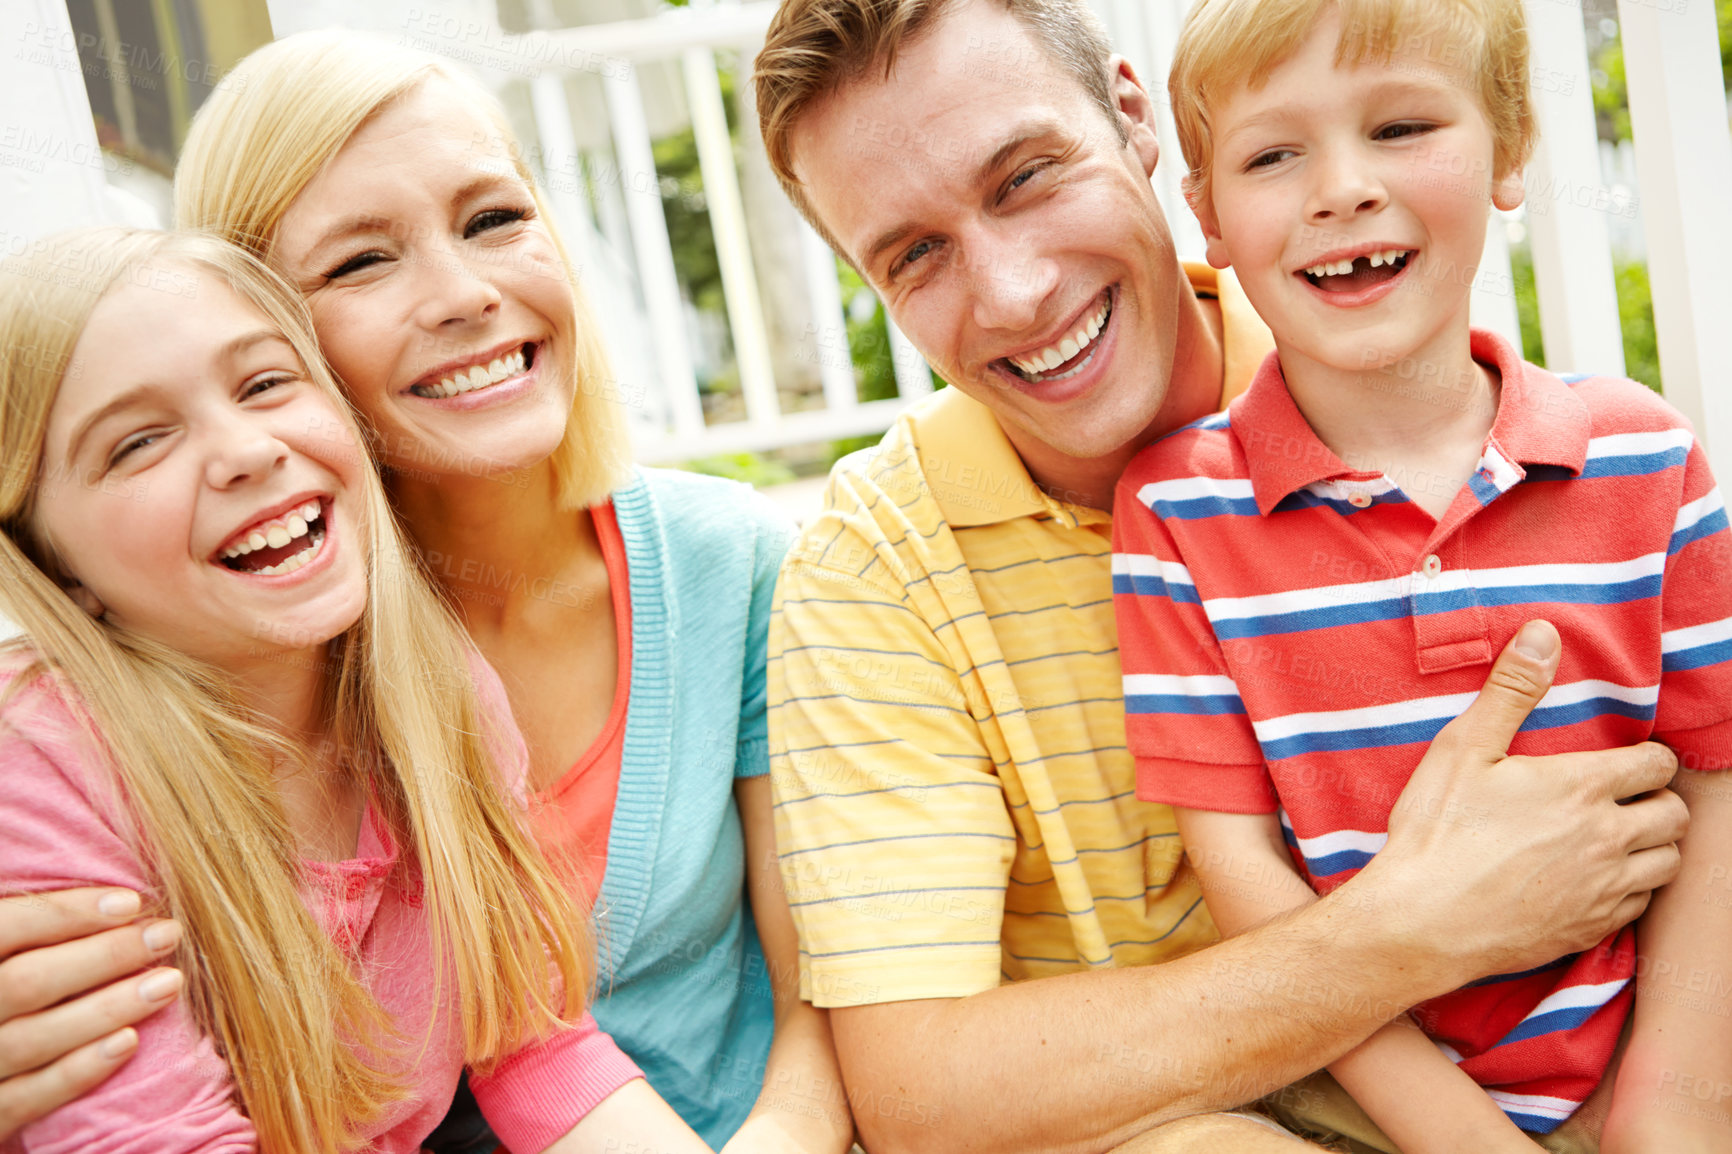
1343	267
276	534
1053	356
475	377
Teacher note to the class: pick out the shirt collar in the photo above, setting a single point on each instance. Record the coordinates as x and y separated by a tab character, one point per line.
1540	421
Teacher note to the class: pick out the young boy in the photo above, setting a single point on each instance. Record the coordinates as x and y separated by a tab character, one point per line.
1311	584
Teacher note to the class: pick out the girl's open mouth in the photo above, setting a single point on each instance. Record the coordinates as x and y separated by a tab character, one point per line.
280	545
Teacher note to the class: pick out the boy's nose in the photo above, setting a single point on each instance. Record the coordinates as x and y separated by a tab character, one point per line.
1345	188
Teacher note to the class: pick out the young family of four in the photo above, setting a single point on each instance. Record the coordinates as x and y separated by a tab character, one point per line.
376	723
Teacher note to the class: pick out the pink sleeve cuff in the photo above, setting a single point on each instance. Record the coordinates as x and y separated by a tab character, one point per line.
1205	786
537	1094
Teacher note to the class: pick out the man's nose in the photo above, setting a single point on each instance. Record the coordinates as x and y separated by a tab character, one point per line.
1009	286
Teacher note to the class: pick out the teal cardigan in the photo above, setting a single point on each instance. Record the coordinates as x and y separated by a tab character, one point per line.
683	987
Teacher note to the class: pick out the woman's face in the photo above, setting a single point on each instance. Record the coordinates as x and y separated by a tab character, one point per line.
436	290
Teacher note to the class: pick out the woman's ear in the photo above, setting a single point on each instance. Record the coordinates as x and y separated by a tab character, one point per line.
85	599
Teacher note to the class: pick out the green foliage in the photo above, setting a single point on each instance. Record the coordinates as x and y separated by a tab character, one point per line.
1636	319
868	349
1635	316
748	467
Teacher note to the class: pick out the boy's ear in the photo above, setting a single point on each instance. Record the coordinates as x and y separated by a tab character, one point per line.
1215	250
1510	190
1136	111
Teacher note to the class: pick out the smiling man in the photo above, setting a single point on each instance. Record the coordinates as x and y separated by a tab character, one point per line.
980	898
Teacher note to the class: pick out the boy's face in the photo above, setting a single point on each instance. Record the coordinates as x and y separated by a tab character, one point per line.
1323	171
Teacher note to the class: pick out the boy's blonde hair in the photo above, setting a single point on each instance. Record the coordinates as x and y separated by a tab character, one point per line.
1226	43
311	1051
814	47
279	118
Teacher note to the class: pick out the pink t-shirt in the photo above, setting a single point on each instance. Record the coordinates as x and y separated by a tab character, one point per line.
62	829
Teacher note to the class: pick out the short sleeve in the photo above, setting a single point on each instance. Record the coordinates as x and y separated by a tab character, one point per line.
1694	713
1184	720
536	1095
891	824
773	532
176	1093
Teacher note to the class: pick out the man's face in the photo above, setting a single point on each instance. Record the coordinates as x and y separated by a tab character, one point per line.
1012	232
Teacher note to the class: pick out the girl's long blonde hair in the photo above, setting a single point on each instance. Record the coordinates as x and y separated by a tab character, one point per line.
307	1043
279	118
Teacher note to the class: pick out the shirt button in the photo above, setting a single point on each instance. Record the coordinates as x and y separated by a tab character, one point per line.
1433	565
1359	500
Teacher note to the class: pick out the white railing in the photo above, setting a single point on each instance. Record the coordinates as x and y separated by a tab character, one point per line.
1678	112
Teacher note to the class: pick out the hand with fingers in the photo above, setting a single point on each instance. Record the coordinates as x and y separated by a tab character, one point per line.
77	969
1509	862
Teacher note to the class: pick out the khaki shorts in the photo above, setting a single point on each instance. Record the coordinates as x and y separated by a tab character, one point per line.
1318	1109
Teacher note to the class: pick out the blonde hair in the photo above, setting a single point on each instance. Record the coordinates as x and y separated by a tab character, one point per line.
1226	43
280	117
814	47
301	1033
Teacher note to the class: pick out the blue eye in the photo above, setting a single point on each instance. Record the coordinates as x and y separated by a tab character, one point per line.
129	445
1405	128
254	388
355	263
492	218
1266	159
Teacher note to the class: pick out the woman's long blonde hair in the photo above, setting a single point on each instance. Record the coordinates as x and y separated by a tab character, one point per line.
280	117
308	1044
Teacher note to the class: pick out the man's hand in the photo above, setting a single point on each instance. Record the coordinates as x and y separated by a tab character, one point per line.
83	945
1509	862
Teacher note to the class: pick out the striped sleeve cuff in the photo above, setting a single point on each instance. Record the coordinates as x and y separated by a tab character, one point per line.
1706	749
532	1098
1206	786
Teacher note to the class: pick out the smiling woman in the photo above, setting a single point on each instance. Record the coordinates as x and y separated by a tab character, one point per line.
626	610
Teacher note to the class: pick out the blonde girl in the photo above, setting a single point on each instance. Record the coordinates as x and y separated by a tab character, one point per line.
236	696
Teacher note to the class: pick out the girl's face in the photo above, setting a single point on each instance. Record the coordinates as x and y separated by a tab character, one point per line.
196	485
438	296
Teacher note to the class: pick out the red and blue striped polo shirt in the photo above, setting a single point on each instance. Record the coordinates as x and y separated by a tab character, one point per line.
1294	633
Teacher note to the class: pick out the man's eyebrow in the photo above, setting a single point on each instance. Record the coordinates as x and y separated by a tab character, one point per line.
1018	139
132	396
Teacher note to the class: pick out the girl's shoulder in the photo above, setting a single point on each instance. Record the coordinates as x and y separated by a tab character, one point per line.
38	709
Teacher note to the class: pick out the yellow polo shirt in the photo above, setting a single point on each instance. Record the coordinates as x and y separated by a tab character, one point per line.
955	804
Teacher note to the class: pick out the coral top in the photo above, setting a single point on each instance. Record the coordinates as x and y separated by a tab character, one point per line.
573	817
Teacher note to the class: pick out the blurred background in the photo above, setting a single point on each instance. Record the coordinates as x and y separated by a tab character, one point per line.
740	345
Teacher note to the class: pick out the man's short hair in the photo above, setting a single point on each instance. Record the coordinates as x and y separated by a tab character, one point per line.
1226	43
814	47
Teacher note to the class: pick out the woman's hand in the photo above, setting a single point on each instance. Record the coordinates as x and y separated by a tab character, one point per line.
74	976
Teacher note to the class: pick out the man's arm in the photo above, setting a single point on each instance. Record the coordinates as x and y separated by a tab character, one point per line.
1415	1094
74	977
1469	884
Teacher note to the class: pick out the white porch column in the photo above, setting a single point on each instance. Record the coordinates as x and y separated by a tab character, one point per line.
1684	164
1566	203
51	168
